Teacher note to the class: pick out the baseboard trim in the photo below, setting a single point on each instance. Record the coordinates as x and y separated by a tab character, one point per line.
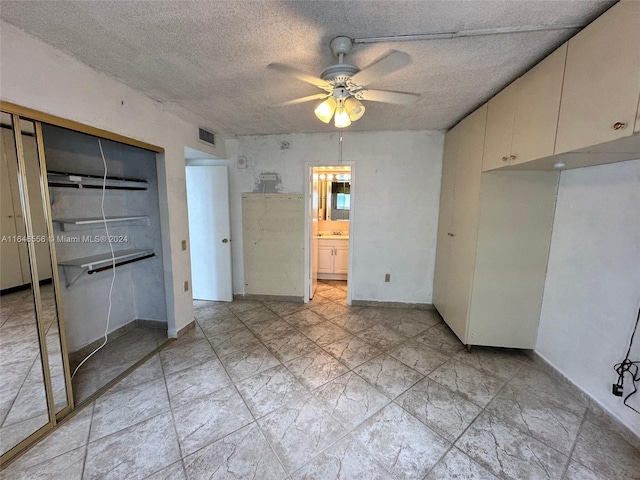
596	413
189	326
376	303
268	298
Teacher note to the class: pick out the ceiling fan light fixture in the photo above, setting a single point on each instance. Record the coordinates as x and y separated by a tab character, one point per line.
354	108
342	119
326	109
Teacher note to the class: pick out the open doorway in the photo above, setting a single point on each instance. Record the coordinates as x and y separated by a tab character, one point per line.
330	214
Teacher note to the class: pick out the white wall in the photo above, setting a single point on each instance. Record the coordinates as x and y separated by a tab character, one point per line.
38	76
396	195
592	290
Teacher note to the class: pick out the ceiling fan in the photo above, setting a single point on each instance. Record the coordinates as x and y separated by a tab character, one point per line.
345	85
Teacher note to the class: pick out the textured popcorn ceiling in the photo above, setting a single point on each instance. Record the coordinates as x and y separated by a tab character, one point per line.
210	56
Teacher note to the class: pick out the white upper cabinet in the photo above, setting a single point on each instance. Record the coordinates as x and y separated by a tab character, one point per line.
537	106
602	80
499	132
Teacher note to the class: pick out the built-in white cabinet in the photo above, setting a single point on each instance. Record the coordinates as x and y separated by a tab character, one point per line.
333	259
499	132
579	106
522	118
493	242
602	80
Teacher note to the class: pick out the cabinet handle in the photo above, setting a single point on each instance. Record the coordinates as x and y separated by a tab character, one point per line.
619	125
504	159
512	157
225	240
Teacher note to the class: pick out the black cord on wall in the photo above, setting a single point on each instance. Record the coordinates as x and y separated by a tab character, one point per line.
628	367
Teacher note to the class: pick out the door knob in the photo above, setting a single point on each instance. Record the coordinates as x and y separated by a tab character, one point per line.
225	240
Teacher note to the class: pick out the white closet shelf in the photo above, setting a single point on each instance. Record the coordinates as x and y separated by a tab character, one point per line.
73	180
98	263
79	223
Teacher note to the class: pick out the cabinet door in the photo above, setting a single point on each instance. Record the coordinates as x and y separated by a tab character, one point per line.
325	258
499	132
602	80
445	219
537	106
465	222
341	258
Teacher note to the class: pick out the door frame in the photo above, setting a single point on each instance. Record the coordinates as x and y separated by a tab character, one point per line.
308	174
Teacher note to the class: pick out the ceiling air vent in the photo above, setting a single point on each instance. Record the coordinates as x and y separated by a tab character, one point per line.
206	136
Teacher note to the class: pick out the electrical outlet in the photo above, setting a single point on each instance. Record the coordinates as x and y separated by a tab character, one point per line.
186	286
268	176
387	277
184	245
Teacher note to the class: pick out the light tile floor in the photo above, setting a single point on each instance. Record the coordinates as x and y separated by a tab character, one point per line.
274	390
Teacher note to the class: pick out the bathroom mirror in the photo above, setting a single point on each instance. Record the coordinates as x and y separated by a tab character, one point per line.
334	196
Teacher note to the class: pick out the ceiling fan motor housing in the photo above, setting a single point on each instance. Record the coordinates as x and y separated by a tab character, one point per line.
339	74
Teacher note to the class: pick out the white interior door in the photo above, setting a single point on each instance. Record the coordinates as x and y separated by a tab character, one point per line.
209	232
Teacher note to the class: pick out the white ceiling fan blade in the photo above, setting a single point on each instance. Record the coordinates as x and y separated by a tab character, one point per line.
399	98
299	74
317	96
388	64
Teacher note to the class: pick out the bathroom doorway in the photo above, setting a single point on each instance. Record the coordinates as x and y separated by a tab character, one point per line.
330	213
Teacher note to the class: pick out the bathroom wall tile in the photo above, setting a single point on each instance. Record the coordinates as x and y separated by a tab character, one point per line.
499	362
350	399
300	430
474	385
291	344
135	452
351	351
404	446
207	419
439	408
418	356
324	333
244	363
345	460
388	375
441	338
316	368
195	382
381	337
242	454
509	453
544	421
117	410
607	453
457	465
269	390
